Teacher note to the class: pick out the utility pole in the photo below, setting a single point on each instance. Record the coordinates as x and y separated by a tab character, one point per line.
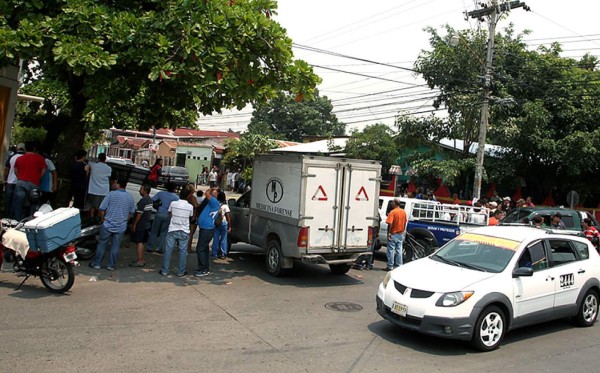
492	11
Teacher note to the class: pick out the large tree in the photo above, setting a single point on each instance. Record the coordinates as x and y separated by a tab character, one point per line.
147	63
376	142
288	118
543	107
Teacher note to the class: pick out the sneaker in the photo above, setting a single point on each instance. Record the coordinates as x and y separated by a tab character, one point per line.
160	272
358	267
91	265
181	274
160	251
387	269
201	274
135	263
110	268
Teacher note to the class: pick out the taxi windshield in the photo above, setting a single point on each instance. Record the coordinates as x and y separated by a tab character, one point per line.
478	252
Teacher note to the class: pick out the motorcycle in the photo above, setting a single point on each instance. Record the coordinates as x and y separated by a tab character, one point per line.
55	268
87	242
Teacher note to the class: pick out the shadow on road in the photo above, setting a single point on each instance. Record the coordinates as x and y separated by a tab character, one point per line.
238	265
446	347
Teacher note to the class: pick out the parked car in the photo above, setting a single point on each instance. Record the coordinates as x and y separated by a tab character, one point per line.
571	218
121	161
491	280
175	174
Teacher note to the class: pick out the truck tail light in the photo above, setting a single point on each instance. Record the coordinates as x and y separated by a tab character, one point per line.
371	236
303	237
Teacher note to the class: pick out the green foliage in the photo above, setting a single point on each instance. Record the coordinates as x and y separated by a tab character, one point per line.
377	142
144	63
285	118
241	153
22	134
543	108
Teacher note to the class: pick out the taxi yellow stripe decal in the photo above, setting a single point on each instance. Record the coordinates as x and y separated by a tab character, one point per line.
487	240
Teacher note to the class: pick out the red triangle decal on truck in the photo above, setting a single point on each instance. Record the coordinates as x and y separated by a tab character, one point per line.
320	192
362	191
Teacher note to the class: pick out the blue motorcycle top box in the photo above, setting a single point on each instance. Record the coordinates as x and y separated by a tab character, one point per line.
53	229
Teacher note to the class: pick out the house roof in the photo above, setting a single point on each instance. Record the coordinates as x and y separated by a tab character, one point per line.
459	145
170	143
316	147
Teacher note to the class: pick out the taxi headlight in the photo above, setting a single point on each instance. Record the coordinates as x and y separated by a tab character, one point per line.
454	298
386	279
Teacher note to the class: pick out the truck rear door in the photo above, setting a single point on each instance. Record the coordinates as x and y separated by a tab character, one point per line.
360	199
322	204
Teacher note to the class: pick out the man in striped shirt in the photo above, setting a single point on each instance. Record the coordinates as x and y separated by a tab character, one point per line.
115	211
178	233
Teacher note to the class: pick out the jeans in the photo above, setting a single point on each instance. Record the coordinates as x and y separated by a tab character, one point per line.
159	230
22	191
394	250
204	237
9	195
115	245
219	245
174	238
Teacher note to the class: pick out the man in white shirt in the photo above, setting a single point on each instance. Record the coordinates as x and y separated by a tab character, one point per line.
10	183
99	185
212	177
178	233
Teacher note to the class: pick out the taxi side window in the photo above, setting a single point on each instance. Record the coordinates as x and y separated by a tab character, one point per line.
534	257
562	252
582	249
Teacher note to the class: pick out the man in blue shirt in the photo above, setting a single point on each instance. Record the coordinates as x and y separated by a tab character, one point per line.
115	211
206	225
162	218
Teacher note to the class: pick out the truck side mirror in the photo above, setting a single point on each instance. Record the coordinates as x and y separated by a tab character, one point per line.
231	202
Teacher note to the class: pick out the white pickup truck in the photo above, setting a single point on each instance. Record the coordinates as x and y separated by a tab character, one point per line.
315	209
430	223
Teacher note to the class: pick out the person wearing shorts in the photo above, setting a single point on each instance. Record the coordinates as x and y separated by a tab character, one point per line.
141	224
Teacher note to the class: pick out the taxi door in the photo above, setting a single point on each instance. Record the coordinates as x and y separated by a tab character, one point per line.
534	294
569	271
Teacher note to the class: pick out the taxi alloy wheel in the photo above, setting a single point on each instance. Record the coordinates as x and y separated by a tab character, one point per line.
489	329
588	310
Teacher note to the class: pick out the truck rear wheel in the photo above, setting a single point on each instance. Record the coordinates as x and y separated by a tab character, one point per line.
340	269
274	258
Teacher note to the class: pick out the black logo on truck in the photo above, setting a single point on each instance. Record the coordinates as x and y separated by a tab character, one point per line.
274	190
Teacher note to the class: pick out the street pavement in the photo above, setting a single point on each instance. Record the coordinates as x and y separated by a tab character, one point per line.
240	319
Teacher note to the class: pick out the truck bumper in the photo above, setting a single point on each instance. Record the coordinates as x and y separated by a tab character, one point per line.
320	259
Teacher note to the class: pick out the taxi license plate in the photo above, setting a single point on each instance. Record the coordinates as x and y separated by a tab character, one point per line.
399	309
70	257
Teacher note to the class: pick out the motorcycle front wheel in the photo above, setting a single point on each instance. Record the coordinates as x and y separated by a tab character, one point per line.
57	275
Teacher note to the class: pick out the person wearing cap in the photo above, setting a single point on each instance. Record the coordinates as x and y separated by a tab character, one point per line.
10	181
506	204
557	223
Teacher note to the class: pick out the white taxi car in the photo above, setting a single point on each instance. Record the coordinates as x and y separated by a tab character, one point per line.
491	280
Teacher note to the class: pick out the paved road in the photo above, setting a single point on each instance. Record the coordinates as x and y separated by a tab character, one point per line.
239	319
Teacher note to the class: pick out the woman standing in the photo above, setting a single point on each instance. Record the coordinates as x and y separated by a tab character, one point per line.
219	246
155	172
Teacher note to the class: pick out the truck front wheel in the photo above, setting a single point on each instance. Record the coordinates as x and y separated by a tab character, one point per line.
274	259
339	269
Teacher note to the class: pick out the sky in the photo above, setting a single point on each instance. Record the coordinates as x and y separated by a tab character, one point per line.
391	32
